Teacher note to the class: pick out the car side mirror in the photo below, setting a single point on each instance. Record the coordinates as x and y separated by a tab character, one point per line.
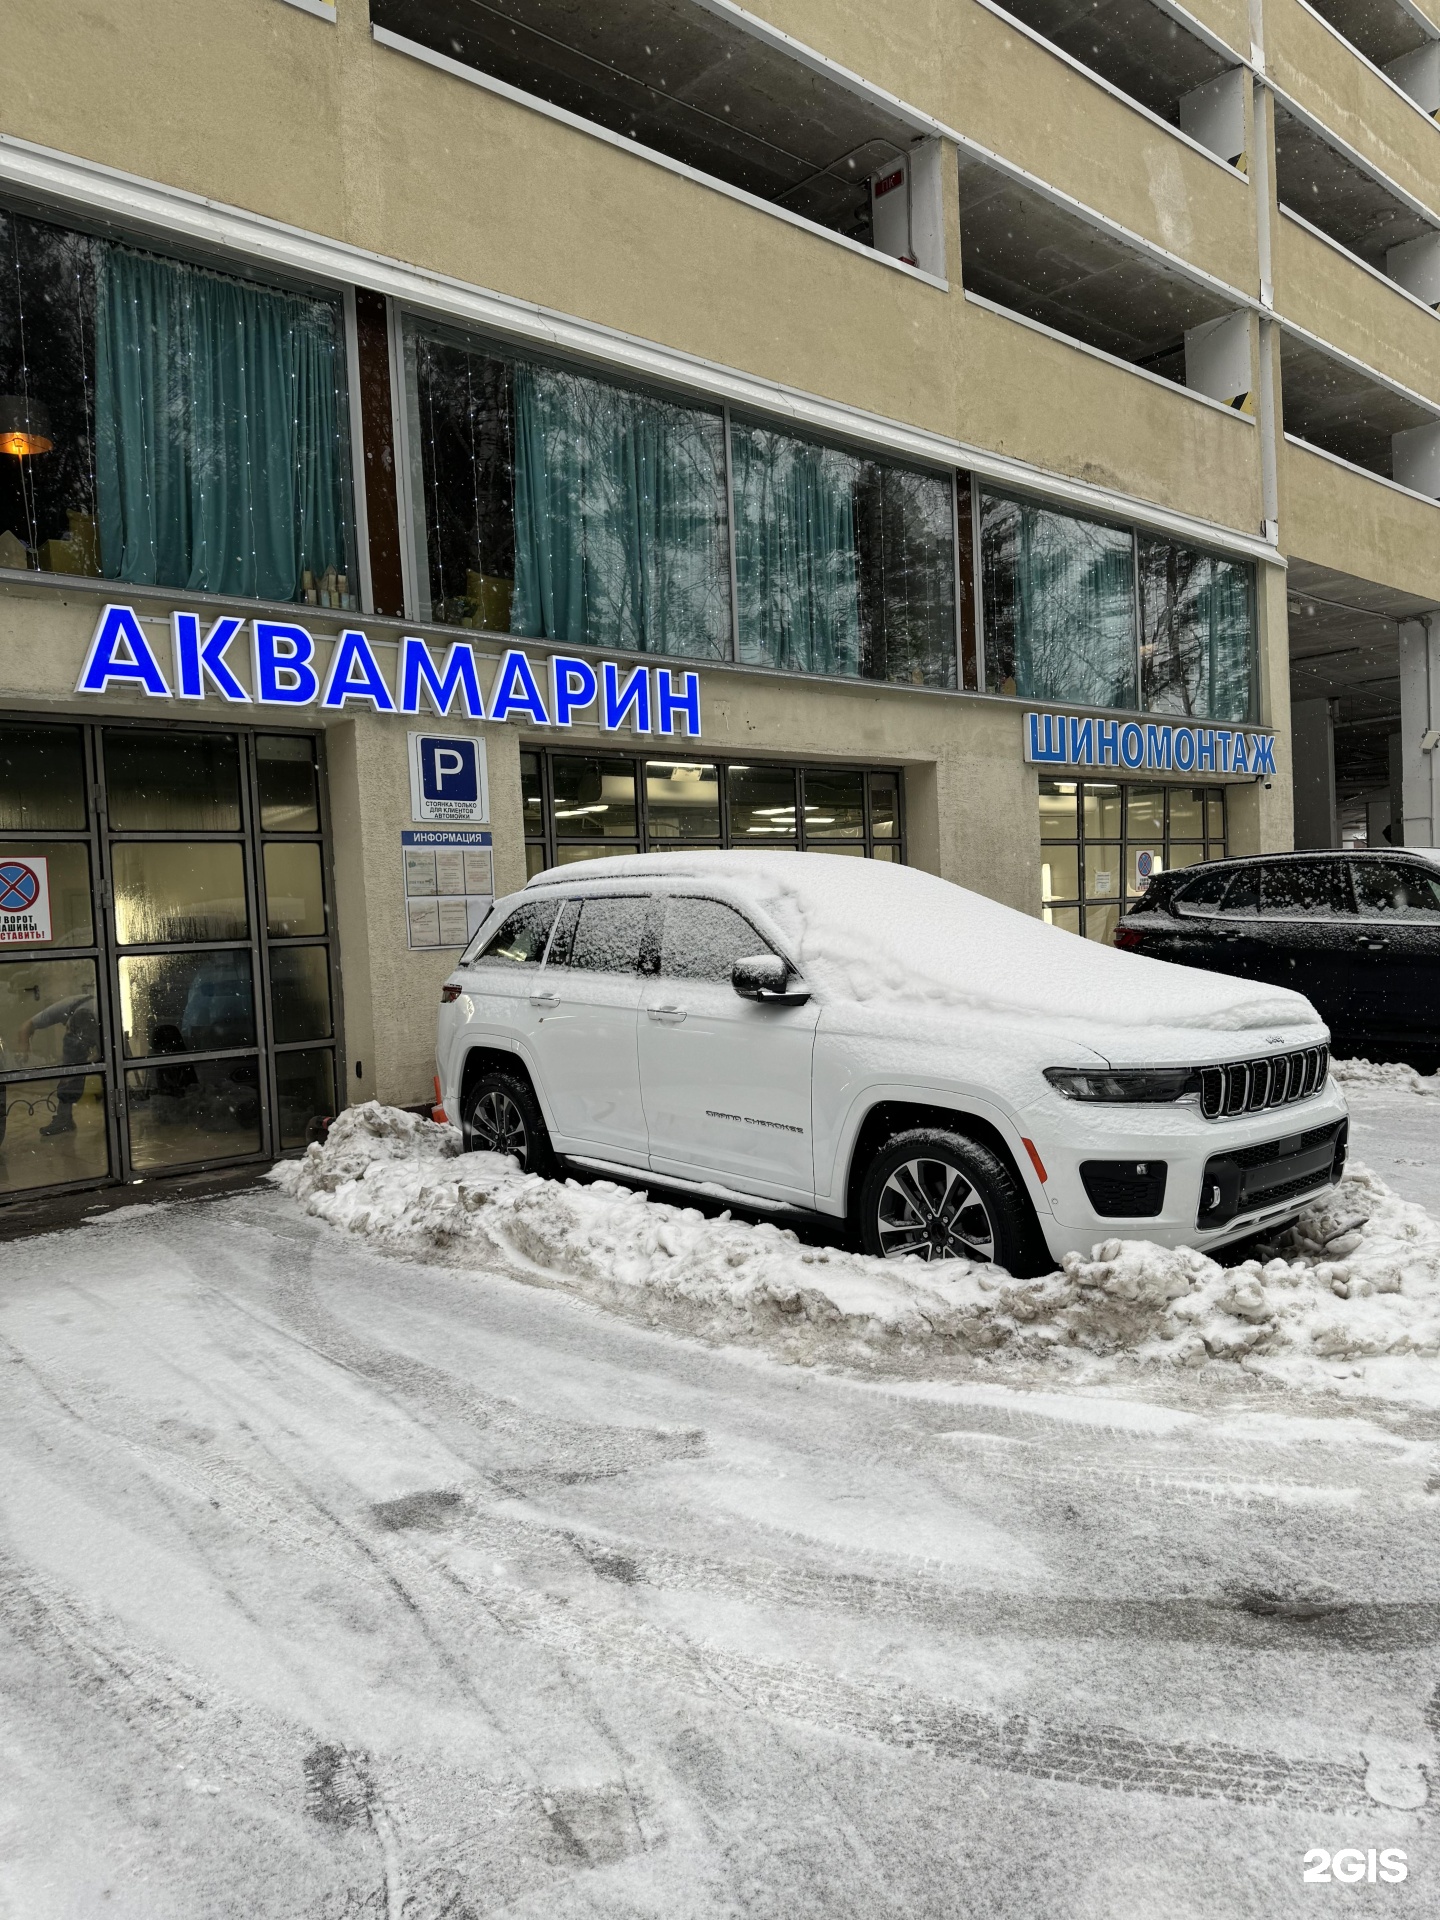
765	976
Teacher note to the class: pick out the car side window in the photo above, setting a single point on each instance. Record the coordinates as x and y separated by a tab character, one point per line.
520	940
1305	890
606	934
1243	894
1202	896
704	938
1396	892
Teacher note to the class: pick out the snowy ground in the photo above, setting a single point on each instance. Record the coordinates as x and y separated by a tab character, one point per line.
1395	1127
338	1581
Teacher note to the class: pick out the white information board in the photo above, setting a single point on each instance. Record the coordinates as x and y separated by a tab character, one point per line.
449	885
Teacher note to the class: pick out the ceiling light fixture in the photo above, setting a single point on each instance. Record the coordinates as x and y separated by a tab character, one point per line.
24	426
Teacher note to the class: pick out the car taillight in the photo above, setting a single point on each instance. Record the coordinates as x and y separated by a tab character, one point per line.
1128	938
449	992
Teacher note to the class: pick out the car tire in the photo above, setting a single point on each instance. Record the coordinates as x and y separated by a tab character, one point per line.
502	1115
912	1202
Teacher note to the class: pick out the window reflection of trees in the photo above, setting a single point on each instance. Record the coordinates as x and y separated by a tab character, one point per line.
563	505
1060	598
1195	622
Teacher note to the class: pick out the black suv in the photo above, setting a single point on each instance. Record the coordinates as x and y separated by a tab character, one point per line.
1357	933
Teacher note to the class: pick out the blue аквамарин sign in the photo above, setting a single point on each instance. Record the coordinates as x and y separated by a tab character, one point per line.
284	669
1147	746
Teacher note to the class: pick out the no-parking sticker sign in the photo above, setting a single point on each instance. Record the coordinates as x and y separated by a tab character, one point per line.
24	899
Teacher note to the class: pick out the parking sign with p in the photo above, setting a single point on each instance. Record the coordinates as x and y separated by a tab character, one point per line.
448	778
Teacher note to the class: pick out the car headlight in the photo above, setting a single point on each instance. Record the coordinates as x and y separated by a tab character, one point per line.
1134	1085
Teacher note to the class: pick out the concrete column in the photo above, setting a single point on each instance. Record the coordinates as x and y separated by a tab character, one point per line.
1219	359
1312	745
1419	721
1418	73
927	205
1261	812
391	991
1396	767
1215	114
1415	459
1415	265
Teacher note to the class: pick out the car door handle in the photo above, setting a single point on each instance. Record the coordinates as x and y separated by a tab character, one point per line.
1376	946
544	999
666	1016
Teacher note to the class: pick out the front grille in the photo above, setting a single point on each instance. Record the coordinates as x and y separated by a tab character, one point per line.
1266	1151
1125	1189
1253	1179
1249	1086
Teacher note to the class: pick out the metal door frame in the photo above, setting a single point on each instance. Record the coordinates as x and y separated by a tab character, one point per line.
105	951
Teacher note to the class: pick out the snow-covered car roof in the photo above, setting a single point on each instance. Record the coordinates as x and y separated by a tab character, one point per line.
1430	854
868	932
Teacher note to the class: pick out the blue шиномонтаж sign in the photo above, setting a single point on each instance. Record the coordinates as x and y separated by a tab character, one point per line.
1147	746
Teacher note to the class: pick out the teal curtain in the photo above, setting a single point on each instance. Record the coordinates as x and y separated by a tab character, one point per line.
795	559
218	443
1223	614
1197	645
620	526
1059	599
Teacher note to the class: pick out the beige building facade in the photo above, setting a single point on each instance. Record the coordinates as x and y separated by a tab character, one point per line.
1005	450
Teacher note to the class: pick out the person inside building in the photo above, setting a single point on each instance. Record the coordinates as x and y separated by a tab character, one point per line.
81	1019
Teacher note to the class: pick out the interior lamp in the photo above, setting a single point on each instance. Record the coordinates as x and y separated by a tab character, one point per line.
24	426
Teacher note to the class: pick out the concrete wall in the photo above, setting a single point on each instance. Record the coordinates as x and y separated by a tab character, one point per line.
1099	149
1345	520
1331	295
1326	76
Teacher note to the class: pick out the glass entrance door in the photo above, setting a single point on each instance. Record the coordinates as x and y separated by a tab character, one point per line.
56	1123
174	1006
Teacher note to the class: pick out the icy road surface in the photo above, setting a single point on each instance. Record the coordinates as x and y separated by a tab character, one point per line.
1395	1128
334	1584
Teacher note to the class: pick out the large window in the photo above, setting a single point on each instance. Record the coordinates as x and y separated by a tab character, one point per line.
1059	605
1089	614
1101	841
563	506
165	425
1195	627
843	565
586	806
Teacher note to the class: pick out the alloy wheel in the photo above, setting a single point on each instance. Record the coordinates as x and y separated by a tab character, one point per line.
929	1208
498	1126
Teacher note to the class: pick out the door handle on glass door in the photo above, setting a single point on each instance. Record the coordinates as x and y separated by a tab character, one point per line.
541	998
667	1016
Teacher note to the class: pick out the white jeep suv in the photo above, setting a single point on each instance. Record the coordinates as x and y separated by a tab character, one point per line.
947	1077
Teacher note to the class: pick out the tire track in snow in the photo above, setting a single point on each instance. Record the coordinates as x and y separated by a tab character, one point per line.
984	1613
897	1715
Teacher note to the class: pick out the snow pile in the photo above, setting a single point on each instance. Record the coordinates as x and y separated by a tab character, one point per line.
866	931
1358	1277
1389	1076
